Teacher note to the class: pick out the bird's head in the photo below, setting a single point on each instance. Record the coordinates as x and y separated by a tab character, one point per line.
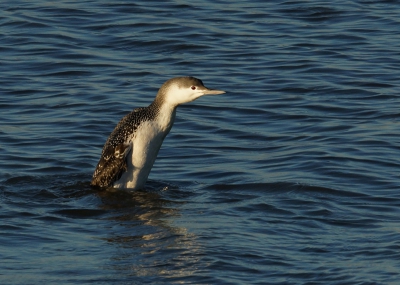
180	90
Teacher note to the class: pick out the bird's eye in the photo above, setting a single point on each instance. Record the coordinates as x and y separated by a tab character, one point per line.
193	87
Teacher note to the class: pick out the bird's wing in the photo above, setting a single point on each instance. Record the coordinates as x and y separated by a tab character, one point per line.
112	164
113	161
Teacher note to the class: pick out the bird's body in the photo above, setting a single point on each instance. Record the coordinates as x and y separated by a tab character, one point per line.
130	151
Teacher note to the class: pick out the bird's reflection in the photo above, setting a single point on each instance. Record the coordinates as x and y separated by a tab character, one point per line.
148	241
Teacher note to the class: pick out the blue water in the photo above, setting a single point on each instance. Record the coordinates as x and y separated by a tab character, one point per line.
291	177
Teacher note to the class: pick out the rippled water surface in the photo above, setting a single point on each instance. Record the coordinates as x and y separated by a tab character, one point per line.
291	177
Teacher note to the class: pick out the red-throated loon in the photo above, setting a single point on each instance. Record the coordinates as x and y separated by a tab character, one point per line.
131	149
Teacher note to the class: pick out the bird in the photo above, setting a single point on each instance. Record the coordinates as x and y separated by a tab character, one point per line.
132	147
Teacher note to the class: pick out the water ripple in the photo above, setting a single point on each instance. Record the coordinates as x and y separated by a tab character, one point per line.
291	177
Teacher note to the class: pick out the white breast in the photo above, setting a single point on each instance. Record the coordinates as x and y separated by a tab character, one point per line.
146	142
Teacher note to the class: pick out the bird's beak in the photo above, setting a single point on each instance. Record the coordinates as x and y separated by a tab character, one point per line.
213	92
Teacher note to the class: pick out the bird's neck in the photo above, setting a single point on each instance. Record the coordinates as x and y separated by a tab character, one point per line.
165	113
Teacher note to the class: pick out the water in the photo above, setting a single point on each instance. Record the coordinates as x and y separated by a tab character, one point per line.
292	177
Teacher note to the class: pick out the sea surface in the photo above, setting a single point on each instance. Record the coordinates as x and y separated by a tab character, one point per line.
291	177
